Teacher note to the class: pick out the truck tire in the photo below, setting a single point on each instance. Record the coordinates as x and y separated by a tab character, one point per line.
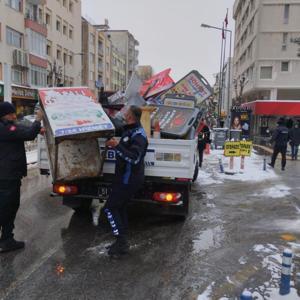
79	205
184	209
196	172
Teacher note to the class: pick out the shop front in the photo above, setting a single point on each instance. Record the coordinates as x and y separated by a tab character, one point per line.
24	99
267	112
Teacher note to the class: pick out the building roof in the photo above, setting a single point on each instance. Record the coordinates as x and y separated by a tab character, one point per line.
274	107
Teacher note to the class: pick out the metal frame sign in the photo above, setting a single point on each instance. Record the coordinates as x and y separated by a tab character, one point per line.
73	111
236	149
232	149
246	148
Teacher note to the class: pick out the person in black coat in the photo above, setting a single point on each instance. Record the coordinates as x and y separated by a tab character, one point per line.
13	168
295	140
129	177
203	139
280	139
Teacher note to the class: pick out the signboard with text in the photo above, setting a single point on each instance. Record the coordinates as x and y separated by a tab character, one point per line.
240	148
73	111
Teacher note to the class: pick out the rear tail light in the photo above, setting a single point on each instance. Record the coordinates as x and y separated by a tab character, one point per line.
63	189
166	197
183	179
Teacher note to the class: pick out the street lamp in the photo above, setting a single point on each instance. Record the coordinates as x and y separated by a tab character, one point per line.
221	67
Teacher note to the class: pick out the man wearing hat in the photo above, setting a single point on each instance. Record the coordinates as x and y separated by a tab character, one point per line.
280	139
13	167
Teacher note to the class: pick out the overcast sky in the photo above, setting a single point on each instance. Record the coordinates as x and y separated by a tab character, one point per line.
169	31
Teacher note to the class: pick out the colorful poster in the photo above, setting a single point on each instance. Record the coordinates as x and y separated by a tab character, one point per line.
156	84
193	84
241	120
72	111
232	149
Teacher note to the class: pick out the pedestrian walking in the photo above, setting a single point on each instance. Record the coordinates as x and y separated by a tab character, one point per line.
280	139
295	140
129	177
203	139
13	168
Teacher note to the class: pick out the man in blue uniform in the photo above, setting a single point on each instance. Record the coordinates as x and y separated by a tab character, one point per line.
280	139
13	167
129	177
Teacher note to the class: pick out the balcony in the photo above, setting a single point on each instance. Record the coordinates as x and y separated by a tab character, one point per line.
35	25
37	2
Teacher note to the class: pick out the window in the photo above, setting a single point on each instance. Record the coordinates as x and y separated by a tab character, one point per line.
13	38
49	48
16	76
284	41
65	58
48	19
58	53
37	43
71	32
71	6
285	66
92	59
65	3
58	24
286	14
71	58
65	29
266	72
15	4
38	76
92	39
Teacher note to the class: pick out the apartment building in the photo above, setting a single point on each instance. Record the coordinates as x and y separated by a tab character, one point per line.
125	42
23	64
63	50
145	72
267	48
118	66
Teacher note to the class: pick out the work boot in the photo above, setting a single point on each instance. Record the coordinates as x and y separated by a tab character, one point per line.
271	165
11	245
119	247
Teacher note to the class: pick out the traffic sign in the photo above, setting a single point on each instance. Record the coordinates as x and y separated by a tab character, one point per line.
232	149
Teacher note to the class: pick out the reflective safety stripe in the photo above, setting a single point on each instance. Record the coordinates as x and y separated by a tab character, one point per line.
111	221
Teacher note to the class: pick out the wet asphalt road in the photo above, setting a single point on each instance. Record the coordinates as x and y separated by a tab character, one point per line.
169	259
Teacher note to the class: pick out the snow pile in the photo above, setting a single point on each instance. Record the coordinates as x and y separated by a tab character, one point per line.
253	170
278	191
31	157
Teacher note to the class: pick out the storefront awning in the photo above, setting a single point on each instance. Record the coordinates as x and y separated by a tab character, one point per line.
274	107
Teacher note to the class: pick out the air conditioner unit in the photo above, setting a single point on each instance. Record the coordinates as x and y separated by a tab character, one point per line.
17	57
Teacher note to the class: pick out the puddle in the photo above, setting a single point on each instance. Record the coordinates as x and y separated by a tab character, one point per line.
210	238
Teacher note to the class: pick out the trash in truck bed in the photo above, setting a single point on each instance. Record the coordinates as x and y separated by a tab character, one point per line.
174	121
74	113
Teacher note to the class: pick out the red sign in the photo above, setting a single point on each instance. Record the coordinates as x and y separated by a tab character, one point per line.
157	84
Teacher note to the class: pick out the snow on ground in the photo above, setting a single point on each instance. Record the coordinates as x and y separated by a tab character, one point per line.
278	191
253	171
31	157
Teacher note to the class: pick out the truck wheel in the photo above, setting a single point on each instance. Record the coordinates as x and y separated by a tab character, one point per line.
184	209
196	172
84	206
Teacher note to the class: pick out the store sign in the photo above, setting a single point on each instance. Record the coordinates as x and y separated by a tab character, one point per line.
18	92
1	90
241	148
246	148
232	149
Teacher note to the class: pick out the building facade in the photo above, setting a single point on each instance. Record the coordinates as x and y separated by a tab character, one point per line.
267	49
125	42
63	49
145	72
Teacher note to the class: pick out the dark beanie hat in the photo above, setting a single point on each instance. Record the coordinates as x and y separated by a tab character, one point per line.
6	108
281	121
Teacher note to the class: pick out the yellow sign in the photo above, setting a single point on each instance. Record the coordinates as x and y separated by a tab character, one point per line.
246	148
232	149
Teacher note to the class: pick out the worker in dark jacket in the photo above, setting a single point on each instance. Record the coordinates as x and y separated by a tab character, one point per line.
295	140
280	138
13	167
129	177
203	139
